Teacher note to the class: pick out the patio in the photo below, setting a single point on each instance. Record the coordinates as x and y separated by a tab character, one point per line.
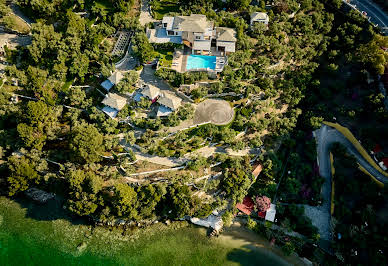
159	35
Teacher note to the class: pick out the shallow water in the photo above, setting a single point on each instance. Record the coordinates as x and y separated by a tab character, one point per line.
60	241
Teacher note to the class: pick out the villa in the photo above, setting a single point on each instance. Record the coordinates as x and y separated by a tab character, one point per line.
167	101
114	79
168	104
199	34
259	17
151	92
113	104
205	46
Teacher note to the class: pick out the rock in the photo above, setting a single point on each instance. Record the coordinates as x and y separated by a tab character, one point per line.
81	247
39	195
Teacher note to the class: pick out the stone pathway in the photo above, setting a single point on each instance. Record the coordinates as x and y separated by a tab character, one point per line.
145	15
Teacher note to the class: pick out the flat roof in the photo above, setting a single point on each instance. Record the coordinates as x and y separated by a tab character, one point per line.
202	45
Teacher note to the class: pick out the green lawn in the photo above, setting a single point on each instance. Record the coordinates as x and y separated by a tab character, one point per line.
15	23
41	241
165	56
161	8
49	238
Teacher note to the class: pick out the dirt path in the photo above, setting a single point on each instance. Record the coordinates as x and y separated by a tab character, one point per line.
145	16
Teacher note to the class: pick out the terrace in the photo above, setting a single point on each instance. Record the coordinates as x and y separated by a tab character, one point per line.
184	62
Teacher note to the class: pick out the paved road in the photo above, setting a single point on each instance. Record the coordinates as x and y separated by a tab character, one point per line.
377	15
326	136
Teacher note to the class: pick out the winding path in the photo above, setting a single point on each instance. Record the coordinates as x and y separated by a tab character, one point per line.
373	11
326	136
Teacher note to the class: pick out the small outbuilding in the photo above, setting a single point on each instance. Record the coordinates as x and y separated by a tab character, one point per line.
168	104
247	206
150	91
259	17
113	104
113	80
271	213
256	169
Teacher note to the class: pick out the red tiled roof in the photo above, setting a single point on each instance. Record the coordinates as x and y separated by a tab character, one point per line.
377	149
257	168
385	161
246	206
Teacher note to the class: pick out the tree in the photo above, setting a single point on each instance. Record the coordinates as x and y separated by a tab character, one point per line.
41	123
79	66
4	8
87	143
149	196
22	174
288	248
84	188
263	203
76	96
128	83
125	201
142	48
373	54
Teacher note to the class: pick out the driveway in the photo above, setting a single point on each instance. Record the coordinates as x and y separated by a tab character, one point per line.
145	15
326	136
13	40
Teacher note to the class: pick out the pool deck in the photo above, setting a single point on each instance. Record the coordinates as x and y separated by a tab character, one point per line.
180	61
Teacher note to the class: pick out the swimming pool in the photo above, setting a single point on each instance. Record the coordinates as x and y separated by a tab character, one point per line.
201	61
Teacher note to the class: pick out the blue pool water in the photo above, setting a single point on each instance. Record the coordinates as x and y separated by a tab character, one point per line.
201	61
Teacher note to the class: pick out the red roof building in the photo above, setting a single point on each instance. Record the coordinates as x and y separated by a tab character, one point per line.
385	162
257	168
377	148
246	206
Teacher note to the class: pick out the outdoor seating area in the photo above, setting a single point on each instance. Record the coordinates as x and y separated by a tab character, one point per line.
177	61
220	63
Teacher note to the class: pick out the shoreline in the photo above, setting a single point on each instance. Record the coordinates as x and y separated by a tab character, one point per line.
251	240
27	238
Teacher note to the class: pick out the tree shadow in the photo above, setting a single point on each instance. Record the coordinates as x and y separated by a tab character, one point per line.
249	255
50	211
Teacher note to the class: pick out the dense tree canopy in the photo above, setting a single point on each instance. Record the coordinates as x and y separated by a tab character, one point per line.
87	143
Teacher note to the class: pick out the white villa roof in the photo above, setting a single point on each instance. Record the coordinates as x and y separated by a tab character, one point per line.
150	91
271	213
169	100
192	23
116	77
202	45
259	16
229	46
169	21
114	101
225	34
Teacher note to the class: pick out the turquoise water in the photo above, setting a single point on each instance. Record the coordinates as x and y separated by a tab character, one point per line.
201	61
